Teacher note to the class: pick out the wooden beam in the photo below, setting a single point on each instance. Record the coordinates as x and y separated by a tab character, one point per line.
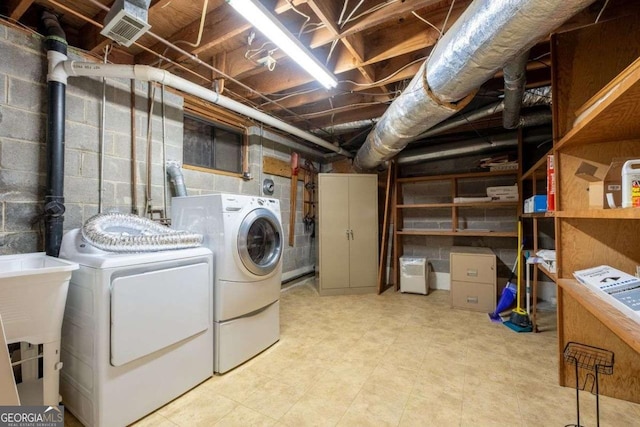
221	25
328	12
355	44
386	225
334	105
219	62
17	8
308	95
353	115
285	5
277	167
389	13
286	75
397	42
91	39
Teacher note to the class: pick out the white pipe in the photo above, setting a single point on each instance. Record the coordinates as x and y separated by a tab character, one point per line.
164	155
151	74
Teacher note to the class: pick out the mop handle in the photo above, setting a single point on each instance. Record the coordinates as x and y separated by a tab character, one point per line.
518	309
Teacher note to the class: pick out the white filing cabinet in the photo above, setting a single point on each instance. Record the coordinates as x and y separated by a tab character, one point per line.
473	278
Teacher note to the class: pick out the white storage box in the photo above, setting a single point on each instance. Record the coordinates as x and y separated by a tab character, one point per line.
505	193
414	275
33	293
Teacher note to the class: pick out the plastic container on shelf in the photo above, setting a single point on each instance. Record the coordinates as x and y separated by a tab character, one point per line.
631	184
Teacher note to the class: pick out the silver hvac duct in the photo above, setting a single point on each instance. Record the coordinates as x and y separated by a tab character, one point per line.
480	113
472	146
176	176
531	98
127	233
515	79
346	127
487	35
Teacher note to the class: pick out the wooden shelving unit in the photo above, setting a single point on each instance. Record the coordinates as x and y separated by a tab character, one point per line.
446	202
533	181
597	79
471	233
627	213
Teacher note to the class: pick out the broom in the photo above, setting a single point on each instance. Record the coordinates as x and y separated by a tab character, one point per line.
519	320
507	297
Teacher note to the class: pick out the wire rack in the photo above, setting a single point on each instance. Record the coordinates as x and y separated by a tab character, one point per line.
596	361
588	357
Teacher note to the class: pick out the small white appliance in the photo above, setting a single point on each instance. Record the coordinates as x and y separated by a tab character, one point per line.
136	332
245	235
414	275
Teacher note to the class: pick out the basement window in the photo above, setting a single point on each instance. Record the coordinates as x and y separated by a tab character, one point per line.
212	147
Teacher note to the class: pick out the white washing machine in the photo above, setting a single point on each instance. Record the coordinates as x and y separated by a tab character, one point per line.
136	332
245	235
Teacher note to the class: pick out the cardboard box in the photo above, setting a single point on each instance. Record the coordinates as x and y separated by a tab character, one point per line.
612	185
536	203
596	195
605	183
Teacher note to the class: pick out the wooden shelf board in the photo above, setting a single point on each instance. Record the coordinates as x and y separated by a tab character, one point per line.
458	233
626	213
539	169
486	205
457	176
424	205
539	215
612	114
620	324
552	276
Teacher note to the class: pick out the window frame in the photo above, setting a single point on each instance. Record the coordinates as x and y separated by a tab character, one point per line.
199	110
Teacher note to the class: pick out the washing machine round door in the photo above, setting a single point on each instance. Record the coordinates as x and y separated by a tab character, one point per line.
260	241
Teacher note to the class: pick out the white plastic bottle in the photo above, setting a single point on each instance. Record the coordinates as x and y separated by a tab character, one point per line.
631	184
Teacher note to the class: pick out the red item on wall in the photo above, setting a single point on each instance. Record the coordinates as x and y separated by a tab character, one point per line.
551	184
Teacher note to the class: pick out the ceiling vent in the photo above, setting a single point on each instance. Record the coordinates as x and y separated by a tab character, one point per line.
126	21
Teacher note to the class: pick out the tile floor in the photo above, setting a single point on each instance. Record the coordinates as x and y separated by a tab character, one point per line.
391	360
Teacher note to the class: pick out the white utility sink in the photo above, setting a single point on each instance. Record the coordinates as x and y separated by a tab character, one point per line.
33	293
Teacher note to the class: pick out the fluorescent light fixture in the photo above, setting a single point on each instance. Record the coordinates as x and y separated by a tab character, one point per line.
254	12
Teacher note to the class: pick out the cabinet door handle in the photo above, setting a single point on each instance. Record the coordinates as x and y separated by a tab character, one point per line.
347	231
351	231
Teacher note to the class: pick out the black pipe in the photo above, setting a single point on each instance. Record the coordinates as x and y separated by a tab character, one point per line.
54	197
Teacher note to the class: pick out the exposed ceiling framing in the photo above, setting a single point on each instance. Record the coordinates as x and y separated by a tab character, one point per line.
373	54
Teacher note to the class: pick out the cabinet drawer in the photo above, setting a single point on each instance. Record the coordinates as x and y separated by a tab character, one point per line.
473	296
473	268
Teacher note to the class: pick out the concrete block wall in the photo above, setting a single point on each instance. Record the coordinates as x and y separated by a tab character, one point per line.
23	152
437	248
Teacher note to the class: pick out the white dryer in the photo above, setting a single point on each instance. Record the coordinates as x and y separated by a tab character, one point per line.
245	235
137	330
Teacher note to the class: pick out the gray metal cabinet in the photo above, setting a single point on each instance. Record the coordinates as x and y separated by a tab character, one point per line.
348	233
